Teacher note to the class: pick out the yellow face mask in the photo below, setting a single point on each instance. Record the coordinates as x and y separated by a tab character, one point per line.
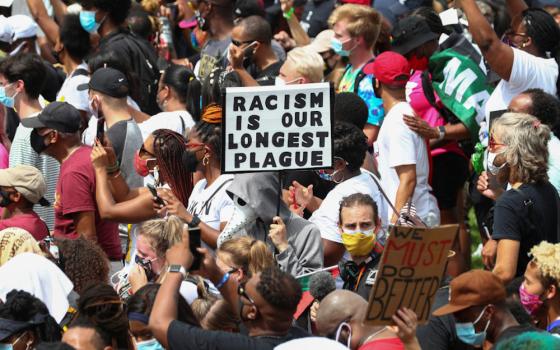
359	243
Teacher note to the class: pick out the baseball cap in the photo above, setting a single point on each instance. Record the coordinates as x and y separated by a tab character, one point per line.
27	180
322	42
391	68
16	27
411	32
108	81
59	116
11	327
472	288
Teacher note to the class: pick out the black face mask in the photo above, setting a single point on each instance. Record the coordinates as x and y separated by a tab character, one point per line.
189	161
147	266
38	142
5	201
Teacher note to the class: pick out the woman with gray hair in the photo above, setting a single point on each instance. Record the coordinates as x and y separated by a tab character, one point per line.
527	213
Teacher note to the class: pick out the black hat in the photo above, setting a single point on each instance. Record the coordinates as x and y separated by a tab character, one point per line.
11	327
410	33
59	116
246	8
108	81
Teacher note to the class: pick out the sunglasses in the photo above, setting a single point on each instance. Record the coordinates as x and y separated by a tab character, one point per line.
239	43
191	145
143	151
242	292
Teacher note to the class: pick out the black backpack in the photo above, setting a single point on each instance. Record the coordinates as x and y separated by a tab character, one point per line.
143	61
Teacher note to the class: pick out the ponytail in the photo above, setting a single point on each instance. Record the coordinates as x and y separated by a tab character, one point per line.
162	233
248	254
193	99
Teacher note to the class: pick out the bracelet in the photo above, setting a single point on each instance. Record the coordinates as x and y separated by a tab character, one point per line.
117	174
223	281
112	168
289	14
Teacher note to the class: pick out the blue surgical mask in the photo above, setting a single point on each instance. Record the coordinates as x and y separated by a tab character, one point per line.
7	100
467	334
151	344
336	45
87	20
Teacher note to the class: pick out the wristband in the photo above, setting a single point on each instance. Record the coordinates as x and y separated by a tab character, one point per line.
223	281
111	169
194	222
441	130
289	14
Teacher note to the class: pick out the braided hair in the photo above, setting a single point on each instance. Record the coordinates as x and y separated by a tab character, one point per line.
100	304
169	148
23	307
544	31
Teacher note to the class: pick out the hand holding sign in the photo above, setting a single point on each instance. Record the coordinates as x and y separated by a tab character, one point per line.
406	322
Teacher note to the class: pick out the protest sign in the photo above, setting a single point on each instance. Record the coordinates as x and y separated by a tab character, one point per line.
410	272
273	128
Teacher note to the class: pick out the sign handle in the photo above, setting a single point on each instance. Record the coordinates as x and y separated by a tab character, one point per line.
279	199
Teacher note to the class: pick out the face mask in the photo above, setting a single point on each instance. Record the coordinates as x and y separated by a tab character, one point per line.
339	331
531	302
7	100
141	165
87	21
328	177
243	215
94	111
151	344
281	82
337	45
5	201
359	243
38	142
418	63
491	157
146	264
6	347
467	334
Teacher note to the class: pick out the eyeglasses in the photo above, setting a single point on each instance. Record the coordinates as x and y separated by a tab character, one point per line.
241	291
143	151
239	43
191	145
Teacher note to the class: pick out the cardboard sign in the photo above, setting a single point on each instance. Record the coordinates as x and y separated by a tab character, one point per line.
272	128
410	272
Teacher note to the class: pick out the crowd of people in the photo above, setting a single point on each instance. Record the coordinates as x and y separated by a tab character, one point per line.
120	230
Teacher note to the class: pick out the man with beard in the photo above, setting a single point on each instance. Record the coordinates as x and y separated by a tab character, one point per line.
251	53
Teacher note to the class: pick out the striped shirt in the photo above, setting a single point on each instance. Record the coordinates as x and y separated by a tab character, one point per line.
22	153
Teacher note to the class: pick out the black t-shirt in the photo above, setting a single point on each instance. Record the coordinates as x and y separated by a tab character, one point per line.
527	215
266	76
314	18
185	337
361	279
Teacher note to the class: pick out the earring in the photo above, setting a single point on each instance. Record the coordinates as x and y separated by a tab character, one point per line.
206	159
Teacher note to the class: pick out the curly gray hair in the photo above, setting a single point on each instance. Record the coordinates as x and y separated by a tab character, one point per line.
526	140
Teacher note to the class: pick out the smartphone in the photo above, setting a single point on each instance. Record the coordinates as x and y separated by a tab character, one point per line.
250	47
155	194
194	243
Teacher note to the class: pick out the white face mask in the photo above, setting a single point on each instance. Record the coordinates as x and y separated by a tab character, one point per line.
243	215
281	82
490	158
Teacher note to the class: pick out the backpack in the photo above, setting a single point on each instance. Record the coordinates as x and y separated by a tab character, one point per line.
366	70
143	62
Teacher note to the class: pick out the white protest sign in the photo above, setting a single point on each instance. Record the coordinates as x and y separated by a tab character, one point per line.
272	128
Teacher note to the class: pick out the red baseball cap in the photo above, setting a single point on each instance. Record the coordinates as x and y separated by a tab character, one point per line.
391	68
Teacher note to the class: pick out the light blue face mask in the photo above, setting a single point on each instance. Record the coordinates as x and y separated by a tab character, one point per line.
467	334
151	344
7	100
87	21
336	45
6	347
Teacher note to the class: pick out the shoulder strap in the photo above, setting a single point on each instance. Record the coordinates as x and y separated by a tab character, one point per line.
430	94
384	194
80	71
182	125
206	205
365	70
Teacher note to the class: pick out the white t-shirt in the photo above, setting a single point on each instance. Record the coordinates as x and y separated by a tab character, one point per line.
210	206
398	145
178	121
69	90
528	72
326	216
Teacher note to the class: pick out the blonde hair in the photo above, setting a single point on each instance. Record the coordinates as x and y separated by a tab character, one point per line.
162	233
526	140
361	21
251	255
546	256
307	63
